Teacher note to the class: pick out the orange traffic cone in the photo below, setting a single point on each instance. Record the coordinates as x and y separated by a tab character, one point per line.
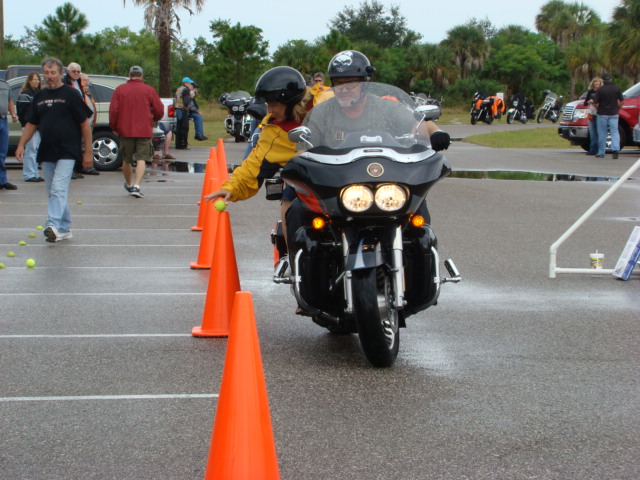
209	171
224	282
223	173
242	444
207	240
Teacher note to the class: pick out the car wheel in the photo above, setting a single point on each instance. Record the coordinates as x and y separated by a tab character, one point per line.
106	151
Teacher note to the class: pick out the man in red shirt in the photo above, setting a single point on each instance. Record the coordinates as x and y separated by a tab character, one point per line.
133	109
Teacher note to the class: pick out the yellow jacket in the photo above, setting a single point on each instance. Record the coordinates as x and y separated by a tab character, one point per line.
272	152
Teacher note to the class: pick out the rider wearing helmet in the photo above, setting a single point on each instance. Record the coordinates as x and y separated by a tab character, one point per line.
284	91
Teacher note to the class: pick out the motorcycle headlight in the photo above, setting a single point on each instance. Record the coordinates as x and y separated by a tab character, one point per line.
357	198
390	198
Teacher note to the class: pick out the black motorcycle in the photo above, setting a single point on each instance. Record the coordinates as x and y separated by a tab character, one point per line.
364	258
520	109
238	122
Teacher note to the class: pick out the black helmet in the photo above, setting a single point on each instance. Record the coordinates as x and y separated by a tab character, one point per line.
280	84
350	63
547	92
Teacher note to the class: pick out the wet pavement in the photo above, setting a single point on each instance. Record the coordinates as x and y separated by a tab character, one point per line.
511	376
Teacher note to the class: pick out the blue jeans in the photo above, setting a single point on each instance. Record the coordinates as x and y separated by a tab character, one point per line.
29	164
609	122
4	147
197	123
593	136
57	176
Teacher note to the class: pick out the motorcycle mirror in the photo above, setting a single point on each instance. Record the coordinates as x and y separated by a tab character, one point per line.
427	112
300	134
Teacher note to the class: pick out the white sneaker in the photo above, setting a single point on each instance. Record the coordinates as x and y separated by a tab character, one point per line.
135	192
64	236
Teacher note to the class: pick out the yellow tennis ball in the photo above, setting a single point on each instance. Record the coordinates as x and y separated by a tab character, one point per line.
79	202
220	205
32	235
11	254
39	227
2	265
30	262
22	242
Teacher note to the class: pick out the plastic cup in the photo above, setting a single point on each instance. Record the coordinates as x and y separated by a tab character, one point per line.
597	260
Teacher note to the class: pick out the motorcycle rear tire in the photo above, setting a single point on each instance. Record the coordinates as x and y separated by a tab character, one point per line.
376	317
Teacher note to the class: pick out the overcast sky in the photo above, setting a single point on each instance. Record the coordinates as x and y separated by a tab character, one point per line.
282	21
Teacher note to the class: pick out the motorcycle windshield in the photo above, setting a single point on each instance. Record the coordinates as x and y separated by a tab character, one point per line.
239	95
369	115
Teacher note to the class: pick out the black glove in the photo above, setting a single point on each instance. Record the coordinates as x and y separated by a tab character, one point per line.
440	140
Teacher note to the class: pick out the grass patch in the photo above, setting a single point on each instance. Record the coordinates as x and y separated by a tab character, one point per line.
544	137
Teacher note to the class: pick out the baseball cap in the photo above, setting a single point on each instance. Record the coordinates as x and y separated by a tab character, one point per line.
135	69
187	79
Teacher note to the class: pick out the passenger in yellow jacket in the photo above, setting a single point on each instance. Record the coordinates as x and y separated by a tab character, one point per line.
284	91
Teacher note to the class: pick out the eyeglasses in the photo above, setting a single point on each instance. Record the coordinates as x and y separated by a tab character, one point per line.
75	71
318	80
350	85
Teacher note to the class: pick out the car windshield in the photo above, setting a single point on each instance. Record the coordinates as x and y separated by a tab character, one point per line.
361	115
632	92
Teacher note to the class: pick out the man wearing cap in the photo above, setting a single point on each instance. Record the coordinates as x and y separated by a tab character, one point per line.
184	95
134	107
608	99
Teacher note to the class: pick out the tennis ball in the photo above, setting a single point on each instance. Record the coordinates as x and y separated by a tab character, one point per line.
39	227
79	202
22	242
220	205
32	235
2	265
11	254
30	263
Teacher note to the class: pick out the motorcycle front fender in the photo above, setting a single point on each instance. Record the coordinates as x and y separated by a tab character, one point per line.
366	254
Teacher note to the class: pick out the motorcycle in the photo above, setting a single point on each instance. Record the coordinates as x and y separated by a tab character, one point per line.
551	108
481	110
364	257
518	114
238	122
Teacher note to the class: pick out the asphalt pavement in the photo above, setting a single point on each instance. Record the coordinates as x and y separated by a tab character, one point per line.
513	375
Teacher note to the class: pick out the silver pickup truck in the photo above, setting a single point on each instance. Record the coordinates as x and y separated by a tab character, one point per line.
106	144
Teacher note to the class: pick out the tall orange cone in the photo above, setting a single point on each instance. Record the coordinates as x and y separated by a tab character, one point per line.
210	170
223	173
207	240
242	444
224	282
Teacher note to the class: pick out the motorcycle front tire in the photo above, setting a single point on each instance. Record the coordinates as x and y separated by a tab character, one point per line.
376	317
474	119
541	115
510	116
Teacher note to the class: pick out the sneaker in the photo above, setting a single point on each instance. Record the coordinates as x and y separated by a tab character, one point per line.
52	234
614	155
202	138
33	179
64	236
8	186
135	192
127	187
599	156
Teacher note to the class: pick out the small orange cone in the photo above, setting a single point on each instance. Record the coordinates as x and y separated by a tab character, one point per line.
224	282
223	173
207	240
242	445
209	171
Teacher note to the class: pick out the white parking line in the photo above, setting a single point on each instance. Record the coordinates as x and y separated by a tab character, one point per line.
109	397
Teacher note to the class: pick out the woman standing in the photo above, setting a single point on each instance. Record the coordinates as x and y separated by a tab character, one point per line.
28	90
592	114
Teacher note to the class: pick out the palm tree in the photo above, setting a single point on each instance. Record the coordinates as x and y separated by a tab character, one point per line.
469	46
160	17
624	38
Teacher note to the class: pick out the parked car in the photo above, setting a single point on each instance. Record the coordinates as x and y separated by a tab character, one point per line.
106	144
574	125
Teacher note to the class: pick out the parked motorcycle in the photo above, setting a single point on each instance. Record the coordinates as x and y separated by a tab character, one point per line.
518	110
426	99
238	122
551	108
484	110
365	257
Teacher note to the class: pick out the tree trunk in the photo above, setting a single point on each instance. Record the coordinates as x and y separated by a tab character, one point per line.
165	89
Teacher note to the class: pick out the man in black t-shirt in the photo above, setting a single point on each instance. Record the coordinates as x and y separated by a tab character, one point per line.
62	118
608	98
